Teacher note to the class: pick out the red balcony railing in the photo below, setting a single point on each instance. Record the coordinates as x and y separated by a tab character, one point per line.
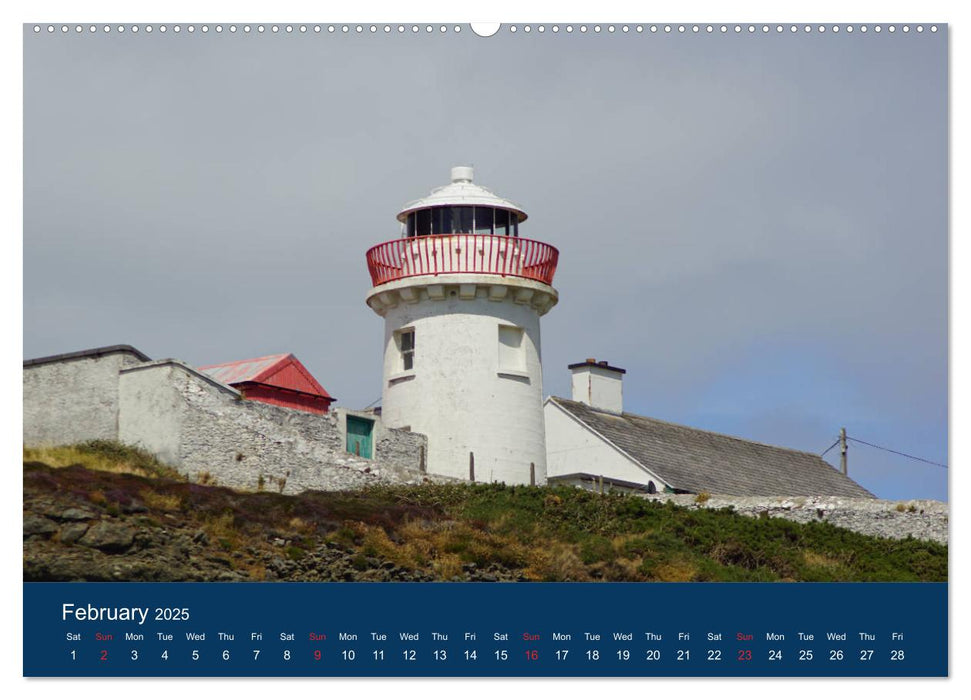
461	253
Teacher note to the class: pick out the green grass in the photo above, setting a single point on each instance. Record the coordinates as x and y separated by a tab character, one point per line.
569	534
102	455
541	534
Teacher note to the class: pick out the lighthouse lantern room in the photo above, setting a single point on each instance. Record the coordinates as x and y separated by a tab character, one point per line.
461	294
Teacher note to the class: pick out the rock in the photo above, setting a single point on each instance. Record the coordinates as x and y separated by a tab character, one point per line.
39	525
72	532
108	537
75	514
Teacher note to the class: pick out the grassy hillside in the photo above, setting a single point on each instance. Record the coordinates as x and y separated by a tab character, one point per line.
94	524
105	456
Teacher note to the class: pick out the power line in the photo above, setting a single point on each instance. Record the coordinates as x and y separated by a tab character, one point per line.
829	448
887	449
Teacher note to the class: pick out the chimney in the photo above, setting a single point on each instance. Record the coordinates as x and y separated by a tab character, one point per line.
598	385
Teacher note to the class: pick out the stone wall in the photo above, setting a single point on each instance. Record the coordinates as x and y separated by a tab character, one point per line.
207	431
73	398
204	428
920	519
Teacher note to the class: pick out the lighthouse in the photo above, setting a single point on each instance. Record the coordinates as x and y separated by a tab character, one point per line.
461	293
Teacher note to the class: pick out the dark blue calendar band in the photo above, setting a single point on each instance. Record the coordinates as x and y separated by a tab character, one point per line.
469	629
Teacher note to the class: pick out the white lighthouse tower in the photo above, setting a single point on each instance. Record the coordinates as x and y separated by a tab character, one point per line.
461	294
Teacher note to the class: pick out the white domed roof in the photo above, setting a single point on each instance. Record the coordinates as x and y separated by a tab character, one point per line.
461	192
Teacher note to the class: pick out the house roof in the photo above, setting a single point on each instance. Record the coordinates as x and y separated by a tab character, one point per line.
693	460
283	371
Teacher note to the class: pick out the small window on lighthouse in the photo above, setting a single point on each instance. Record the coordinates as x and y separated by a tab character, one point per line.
512	356
406	347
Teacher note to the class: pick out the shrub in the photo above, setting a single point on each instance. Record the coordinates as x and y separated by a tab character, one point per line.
447	567
160	501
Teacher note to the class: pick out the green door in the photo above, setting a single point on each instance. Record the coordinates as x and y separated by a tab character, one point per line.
359	432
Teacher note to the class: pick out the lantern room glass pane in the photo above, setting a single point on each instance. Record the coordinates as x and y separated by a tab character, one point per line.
441	221
502	222
423	224
461	219
483	220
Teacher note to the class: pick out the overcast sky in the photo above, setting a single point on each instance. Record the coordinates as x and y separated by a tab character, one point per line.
754	226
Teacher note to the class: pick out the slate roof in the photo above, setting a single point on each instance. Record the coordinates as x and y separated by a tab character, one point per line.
694	460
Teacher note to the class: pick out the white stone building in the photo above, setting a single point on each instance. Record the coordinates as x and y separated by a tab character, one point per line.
593	443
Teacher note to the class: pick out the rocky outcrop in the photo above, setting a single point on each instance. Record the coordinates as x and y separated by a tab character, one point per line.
87	526
141	549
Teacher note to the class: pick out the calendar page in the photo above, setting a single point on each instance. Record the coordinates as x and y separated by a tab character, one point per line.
536	350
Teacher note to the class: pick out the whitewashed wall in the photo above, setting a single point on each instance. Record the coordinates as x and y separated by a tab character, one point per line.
459	394
204	428
151	413
598	387
572	448
73	400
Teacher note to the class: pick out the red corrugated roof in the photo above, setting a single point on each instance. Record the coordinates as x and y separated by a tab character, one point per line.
284	371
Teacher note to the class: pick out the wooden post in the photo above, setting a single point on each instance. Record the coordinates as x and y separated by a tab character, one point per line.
421	460
532	474
601	484
843	467
471	467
